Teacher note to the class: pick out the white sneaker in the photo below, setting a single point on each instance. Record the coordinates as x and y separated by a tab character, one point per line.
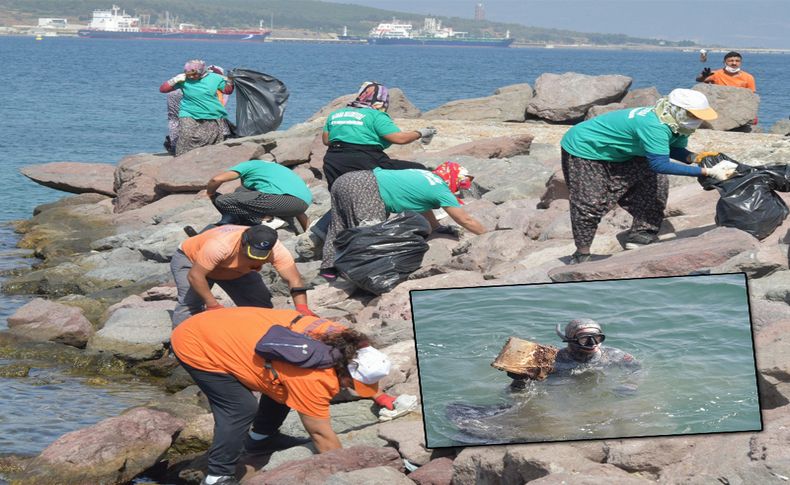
275	223
404	404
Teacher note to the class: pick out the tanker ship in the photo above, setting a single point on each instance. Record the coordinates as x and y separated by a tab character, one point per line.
117	24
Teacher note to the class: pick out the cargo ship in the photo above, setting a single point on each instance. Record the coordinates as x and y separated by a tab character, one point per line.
117	24
432	33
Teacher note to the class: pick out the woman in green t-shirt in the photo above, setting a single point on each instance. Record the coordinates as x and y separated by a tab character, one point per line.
201	114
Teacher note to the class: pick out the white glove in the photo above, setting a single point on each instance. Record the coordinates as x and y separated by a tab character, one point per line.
426	134
177	79
722	170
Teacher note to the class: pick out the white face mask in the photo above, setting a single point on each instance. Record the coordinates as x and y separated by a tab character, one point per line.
690	124
732	70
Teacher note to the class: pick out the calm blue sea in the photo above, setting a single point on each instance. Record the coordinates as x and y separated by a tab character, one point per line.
691	335
98	100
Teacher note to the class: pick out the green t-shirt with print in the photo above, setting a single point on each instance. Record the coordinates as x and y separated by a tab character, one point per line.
272	178
620	135
413	190
360	126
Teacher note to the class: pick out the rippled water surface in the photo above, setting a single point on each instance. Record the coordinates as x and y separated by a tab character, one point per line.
692	336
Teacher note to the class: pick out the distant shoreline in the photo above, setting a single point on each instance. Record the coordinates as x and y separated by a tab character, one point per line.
324	38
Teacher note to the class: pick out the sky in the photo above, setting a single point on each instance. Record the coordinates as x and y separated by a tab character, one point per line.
728	23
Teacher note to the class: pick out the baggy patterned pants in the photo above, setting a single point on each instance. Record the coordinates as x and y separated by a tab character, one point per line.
194	133
595	187
249	206
356	201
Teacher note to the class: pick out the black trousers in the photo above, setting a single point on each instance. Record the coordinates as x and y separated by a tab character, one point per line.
343	157
234	408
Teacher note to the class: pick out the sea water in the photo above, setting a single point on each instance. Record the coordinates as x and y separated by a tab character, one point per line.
94	100
691	335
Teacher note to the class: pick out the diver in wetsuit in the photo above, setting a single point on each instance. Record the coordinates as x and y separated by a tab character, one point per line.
584	350
584	337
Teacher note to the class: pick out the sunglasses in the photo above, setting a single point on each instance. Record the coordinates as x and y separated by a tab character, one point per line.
589	340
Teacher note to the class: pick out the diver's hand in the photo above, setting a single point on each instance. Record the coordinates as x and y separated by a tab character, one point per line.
722	170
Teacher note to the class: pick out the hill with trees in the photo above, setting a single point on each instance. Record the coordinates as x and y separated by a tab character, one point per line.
295	14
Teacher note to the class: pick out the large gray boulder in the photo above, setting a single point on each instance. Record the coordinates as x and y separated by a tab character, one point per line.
42	319
507	104
112	451
637	98
74	177
736	107
781	127
567	97
134	334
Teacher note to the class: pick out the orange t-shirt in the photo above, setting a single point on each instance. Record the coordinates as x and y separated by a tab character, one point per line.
219	250
223	341
740	80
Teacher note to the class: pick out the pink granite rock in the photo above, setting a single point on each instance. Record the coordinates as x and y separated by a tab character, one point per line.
496	147
672	258
111	451
316	469
74	177
46	320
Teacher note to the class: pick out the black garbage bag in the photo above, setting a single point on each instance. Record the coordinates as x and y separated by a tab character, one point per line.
376	258
748	199
260	102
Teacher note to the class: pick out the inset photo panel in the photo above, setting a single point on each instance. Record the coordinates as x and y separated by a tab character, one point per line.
588	360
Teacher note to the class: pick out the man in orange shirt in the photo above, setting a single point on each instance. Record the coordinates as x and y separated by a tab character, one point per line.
231	257
218	349
730	75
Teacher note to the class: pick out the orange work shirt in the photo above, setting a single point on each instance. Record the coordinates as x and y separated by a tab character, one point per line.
223	341
742	79
219	250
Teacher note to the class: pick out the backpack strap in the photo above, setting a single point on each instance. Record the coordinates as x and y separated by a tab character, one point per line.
296	319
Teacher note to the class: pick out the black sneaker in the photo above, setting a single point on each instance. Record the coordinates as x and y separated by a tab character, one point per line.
578	258
636	240
224	480
273	443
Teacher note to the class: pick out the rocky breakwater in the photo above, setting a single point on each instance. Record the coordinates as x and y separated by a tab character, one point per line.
113	269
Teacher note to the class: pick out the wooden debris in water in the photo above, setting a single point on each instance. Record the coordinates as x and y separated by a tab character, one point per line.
532	360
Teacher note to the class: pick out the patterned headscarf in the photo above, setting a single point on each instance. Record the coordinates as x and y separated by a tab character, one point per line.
372	95
672	116
195	65
455	176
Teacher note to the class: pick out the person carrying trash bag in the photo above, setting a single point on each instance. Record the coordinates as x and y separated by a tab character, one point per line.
201	116
623	158
748	199
228	353
366	197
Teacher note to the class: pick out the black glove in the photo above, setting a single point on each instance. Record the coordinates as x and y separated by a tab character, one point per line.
705	73
451	230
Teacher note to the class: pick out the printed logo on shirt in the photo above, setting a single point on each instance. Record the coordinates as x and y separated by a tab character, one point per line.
348	114
433	179
639	112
